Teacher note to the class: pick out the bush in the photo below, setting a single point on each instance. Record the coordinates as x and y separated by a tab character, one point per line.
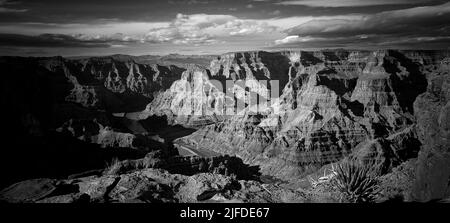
114	167
357	183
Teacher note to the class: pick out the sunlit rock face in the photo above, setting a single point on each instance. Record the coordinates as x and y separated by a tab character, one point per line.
205	95
331	102
191	100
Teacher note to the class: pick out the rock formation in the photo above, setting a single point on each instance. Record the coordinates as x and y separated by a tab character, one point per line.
333	101
432	112
289	114
149	185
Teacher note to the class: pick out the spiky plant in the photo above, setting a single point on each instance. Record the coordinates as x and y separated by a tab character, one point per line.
357	183
113	167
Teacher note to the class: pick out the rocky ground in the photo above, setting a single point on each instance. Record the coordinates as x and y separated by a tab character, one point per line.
108	129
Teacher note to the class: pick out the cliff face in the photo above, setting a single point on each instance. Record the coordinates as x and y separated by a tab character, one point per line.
40	95
432	112
45	93
289	113
112	83
202	96
191	100
332	102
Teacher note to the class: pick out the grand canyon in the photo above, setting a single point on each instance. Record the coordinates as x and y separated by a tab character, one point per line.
200	104
133	129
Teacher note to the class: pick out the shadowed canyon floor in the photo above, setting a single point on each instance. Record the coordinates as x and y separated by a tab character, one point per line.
131	129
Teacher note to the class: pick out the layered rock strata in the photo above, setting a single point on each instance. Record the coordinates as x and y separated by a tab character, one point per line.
332	101
288	113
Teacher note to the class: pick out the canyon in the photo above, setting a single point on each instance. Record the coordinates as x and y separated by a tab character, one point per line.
238	127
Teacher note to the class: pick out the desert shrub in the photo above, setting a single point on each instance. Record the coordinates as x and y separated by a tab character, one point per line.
113	167
356	182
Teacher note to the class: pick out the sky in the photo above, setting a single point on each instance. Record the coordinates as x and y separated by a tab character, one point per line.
143	27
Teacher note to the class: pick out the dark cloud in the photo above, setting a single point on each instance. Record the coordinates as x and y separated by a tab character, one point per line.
425	20
349	3
7	6
93	11
52	40
390	28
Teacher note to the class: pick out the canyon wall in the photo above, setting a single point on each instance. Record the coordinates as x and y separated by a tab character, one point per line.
287	112
332	104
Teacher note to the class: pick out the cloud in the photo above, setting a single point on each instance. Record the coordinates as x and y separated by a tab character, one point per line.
424	20
295	39
275	13
187	29
203	29
332	27
4	9
189	2
178	35
348	3
248	27
414	24
285	23
62	40
94	28
117	37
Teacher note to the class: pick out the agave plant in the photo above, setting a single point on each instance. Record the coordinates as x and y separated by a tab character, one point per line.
113	167
357	183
